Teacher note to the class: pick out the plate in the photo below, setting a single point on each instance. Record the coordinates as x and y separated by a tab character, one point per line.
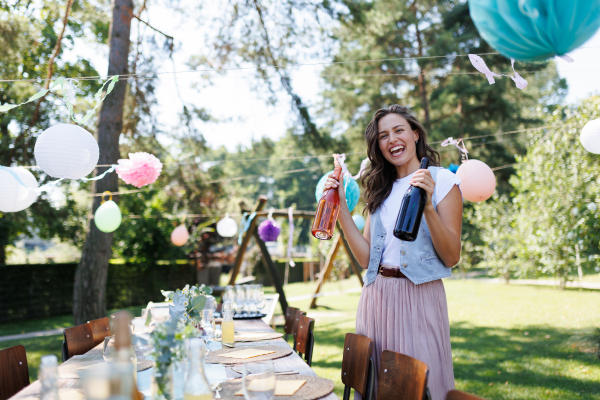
249	316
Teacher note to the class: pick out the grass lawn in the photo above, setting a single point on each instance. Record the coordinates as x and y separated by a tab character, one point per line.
508	342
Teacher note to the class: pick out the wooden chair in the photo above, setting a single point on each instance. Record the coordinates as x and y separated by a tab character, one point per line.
295	325
14	374
78	340
402	377
290	315
358	370
458	395
100	329
305	340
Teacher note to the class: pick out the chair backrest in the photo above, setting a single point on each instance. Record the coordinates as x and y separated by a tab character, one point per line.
458	395
290	315
100	329
305	339
401	377
357	365
14	374
269	308
79	340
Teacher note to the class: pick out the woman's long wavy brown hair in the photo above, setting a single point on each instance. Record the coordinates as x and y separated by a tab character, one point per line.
379	177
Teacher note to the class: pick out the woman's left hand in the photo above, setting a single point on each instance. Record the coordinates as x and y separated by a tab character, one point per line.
422	179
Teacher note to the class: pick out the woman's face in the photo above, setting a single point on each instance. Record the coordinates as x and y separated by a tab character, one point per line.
397	139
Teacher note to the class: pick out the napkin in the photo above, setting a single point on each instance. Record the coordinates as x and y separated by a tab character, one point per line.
247	353
251	335
282	388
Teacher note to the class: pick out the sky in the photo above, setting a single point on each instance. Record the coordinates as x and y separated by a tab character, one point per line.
242	114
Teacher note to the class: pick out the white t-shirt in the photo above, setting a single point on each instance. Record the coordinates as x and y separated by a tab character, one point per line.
391	207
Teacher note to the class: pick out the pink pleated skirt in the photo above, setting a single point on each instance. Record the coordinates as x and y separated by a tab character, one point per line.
409	319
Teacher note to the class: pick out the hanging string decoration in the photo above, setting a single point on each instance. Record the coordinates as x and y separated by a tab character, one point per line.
38	95
481	66
478	181
359	221
108	215
227	227
290	236
140	169
269	230
590	136
535	30
66	151
18	189
246	220
180	235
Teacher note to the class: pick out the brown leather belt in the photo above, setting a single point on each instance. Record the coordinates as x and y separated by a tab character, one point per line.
391	272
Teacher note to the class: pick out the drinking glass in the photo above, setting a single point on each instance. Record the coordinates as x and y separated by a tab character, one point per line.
109	351
260	297
240	299
208	325
258	381
250	299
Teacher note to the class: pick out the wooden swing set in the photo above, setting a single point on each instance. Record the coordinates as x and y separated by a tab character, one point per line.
252	231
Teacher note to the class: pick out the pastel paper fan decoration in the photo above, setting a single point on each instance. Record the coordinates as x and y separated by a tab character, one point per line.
140	169
14	195
532	30
180	235
269	230
590	136
66	151
478	181
108	217
350	187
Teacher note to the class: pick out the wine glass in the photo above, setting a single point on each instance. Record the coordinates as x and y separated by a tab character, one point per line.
250	299
240	299
258	381
109	351
208	325
260	297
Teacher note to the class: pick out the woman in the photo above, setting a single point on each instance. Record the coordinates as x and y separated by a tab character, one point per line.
403	304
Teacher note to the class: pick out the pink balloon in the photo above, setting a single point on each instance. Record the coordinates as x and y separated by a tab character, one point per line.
180	235
478	180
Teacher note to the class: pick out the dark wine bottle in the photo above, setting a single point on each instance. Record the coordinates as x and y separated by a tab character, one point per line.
411	211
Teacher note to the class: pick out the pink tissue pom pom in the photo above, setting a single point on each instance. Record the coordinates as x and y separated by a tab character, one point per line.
140	169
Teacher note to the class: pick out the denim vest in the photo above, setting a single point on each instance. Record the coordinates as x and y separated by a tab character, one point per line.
418	260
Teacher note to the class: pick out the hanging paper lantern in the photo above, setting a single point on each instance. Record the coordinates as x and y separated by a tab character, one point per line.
350	188
14	195
108	216
534	30
477	180
359	221
180	235
590	136
269	230
66	151
227	227
140	169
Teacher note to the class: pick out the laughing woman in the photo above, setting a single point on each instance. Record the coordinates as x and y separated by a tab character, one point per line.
403	304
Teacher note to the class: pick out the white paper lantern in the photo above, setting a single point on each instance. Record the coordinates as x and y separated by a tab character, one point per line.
14	196
66	151
227	227
590	136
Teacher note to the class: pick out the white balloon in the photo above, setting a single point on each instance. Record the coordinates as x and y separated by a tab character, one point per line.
14	196
590	136
66	151
227	227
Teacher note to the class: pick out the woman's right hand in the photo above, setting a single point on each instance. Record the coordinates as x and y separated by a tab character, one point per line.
333	183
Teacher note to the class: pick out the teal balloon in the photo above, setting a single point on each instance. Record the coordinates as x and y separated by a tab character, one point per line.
359	221
108	217
350	188
532	30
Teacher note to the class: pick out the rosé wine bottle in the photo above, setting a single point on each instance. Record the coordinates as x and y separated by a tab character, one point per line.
328	209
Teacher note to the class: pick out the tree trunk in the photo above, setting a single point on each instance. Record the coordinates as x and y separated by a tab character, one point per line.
422	81
90	277
2	254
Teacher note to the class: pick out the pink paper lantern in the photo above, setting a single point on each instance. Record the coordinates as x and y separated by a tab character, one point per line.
180	235
477	180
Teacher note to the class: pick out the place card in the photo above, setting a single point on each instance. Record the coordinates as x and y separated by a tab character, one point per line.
247	353
282	388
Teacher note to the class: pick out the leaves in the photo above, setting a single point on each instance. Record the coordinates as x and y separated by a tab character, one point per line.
198	303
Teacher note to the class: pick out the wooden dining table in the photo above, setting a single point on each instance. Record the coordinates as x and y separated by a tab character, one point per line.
69	382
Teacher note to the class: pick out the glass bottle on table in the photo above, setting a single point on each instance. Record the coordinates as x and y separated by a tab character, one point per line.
48	376
328	209
196	386
227	329
125	364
